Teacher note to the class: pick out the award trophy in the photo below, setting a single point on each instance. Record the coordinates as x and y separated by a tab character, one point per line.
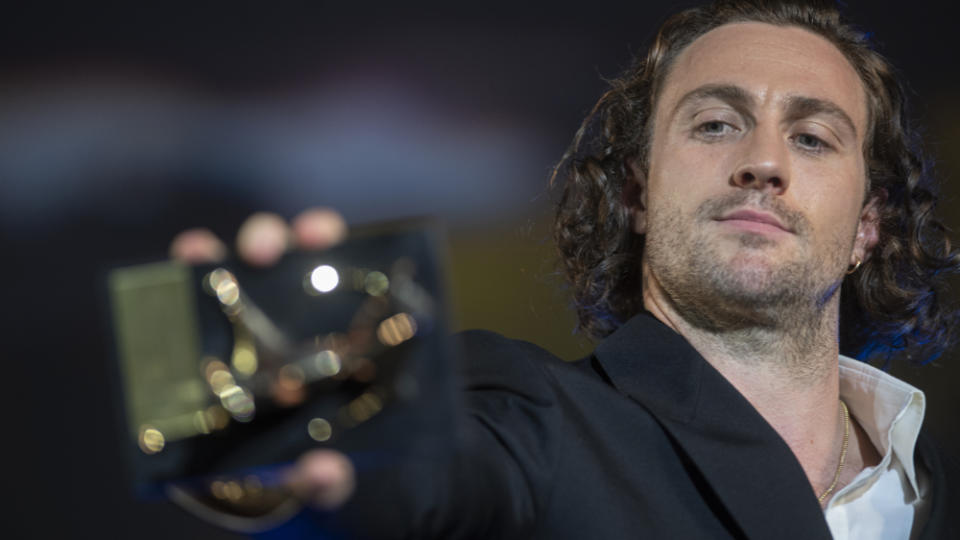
229	372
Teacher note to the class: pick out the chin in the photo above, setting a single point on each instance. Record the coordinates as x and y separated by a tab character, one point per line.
756	280
752	267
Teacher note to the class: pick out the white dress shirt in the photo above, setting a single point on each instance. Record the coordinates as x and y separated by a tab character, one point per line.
886	501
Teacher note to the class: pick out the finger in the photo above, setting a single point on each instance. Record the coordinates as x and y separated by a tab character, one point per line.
319	228
262	239
322	478
197	246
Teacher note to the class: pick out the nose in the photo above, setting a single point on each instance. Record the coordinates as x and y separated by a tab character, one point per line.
764	165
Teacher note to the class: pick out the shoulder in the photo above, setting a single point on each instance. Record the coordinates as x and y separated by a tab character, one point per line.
485	344
488	354
943	469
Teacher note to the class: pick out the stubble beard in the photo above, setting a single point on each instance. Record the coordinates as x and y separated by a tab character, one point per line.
748	296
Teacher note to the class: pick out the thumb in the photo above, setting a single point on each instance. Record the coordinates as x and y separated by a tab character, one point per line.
324	479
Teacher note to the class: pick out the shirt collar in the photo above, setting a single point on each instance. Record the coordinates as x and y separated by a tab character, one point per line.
889	410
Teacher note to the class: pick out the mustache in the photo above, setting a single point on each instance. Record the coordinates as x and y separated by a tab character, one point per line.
753	200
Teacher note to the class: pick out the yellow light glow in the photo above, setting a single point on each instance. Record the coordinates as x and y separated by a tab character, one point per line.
151	440
324	278
200	422
216	278
224	286
319	429
211	364
216	417
396	329
216	488
244	358
364	407
376	283
233	490
221	380
228	294
239	402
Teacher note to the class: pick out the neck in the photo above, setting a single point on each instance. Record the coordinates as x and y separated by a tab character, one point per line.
787	371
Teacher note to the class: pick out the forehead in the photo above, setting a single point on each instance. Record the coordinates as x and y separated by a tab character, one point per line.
771	63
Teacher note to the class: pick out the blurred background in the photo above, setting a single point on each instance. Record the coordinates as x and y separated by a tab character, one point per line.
122	124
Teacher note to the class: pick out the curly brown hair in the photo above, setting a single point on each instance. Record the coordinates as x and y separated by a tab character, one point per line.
895	304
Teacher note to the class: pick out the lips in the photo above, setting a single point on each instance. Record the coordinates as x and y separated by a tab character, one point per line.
746	217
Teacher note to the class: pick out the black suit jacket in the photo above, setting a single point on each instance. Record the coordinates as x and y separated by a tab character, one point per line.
643	439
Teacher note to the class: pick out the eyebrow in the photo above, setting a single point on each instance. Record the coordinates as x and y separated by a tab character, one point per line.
732	95
796	107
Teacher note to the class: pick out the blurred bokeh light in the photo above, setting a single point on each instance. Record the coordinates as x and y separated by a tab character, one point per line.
121	124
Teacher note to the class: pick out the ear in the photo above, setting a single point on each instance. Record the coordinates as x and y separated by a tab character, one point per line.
635	197
868	229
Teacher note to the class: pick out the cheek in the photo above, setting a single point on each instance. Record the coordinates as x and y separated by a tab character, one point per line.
686	176
832	202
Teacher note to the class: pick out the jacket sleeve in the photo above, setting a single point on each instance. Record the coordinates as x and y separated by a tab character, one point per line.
496	481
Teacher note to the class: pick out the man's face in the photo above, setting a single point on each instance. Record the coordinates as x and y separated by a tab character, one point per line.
755	188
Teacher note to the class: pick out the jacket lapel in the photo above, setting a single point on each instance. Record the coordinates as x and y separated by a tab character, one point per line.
941	520
745	462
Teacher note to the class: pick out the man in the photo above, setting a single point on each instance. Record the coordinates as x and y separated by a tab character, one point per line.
740	204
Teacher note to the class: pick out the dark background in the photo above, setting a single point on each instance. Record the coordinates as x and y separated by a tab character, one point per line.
123	124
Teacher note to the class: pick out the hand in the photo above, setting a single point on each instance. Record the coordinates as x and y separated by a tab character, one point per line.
263	238
321	478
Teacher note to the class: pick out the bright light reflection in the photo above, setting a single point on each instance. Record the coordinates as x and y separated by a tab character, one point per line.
151	440
324	278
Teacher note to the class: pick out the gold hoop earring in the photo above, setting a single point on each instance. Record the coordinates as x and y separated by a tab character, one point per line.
855	267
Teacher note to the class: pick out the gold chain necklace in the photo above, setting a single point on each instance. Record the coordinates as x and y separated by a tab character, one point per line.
843	452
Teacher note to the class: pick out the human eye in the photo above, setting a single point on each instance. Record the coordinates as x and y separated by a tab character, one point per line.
811	143
714	129
815	137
